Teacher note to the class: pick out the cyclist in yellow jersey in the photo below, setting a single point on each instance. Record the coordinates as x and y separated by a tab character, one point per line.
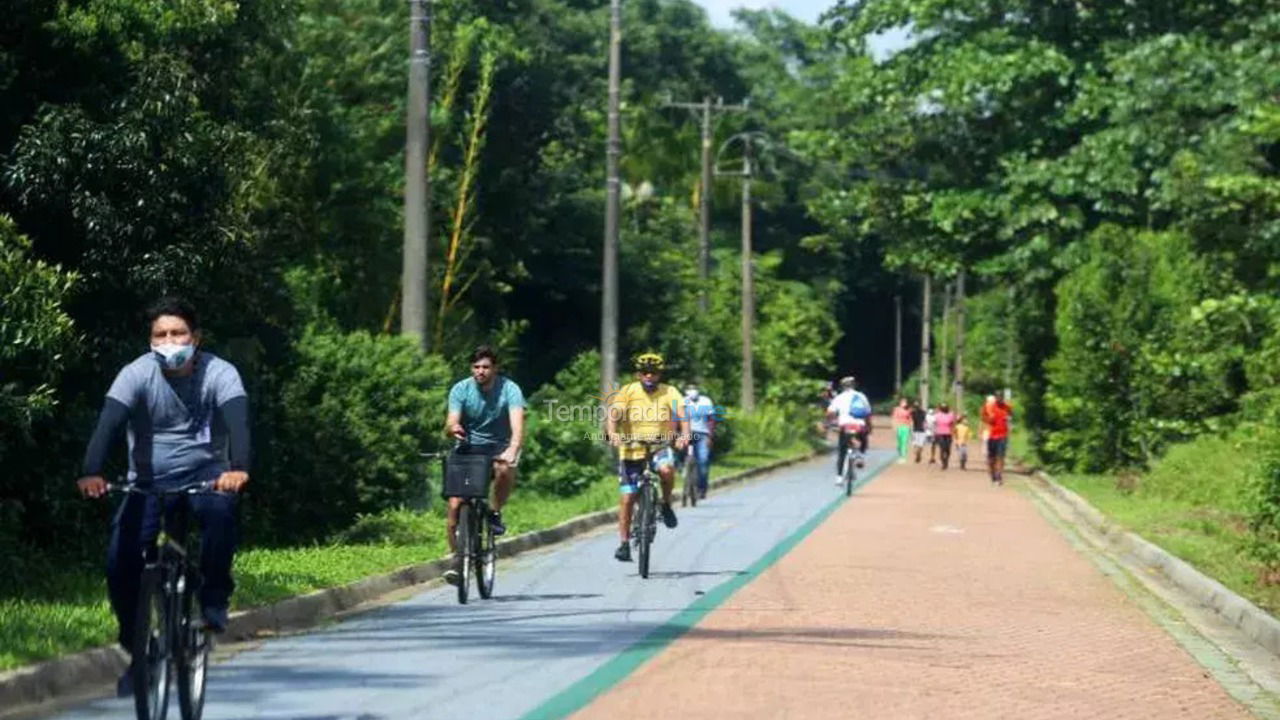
645	410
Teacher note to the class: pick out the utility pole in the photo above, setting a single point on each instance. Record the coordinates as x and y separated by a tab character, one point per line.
609	283
897	344
704	193
417	182
925	342
748	394
960	322
943	385
1008	345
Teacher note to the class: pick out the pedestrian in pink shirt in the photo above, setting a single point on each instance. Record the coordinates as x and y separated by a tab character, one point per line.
943	425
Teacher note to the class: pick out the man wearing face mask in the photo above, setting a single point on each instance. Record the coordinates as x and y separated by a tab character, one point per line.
701	414
187	416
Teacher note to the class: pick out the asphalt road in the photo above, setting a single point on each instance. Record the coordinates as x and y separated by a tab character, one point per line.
557	616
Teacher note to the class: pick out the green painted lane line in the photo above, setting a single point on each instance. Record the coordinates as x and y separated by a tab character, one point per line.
578	695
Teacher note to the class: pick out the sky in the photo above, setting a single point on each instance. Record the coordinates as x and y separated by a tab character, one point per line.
807	10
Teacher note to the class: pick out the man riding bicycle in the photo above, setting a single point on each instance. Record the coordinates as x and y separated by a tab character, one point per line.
852	413
700	413
188	421
486	412
645	411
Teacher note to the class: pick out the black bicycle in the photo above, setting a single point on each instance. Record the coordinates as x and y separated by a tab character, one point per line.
170	640
467	476
689	473
644	514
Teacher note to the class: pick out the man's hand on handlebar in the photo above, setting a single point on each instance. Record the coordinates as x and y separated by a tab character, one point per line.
231	481
457	431
92	486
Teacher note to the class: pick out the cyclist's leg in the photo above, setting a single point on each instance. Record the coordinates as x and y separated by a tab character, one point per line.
628	474
665	463
504	479
218	539
864	437
842	443
451	523
135	525
702	455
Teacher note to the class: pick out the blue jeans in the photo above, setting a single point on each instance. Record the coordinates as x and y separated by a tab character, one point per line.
701	447
134	530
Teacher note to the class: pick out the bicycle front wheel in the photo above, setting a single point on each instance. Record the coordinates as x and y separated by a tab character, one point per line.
486	559
192	654
690	495
646	510
465	557
152	647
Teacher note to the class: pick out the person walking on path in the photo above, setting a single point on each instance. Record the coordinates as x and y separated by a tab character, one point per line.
902	428
996	416
961	440
943	424
982	420
918	435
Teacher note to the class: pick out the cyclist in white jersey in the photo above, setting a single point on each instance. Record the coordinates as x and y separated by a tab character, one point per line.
852	413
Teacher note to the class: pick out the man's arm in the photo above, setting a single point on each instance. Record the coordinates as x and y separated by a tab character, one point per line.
235	416
516	415
453	425
453	421
111	420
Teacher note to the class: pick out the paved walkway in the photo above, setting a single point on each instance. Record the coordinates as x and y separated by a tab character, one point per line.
928	595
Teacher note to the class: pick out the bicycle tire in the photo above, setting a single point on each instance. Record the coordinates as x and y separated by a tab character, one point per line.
486	559
690	495
646	528
850	474
152	644
466	549
192	654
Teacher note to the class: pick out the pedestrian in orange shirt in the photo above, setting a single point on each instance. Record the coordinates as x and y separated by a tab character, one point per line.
995	415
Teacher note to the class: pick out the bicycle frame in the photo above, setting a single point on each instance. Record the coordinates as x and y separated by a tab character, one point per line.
176	642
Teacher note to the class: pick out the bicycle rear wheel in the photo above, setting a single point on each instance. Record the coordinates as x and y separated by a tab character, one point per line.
486	559
850	473
647	527
192	653
152	647
465	557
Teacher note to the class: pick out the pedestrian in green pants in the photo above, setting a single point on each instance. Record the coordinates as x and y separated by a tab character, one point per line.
902	426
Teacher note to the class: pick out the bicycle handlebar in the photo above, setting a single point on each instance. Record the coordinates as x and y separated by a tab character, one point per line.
187	489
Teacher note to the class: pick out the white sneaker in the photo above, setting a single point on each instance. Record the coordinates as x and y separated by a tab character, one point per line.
839	479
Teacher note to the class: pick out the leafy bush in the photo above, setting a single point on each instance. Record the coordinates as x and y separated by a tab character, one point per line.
768	427
352	420
1134	369
564	452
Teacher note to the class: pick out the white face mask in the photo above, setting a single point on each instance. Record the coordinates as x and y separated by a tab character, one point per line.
173	356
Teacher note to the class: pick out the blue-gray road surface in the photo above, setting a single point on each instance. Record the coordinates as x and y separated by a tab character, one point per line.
556	616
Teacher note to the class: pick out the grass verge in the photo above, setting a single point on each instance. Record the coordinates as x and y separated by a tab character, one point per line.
1194	504
65	610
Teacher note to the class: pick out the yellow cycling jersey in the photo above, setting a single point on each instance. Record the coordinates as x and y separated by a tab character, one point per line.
649	416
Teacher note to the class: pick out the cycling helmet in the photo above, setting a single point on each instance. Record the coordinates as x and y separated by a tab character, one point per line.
649	362
847	382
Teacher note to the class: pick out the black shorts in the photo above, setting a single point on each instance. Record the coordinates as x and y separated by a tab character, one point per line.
996	447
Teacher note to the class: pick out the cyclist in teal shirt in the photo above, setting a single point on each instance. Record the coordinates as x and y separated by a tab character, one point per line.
486	413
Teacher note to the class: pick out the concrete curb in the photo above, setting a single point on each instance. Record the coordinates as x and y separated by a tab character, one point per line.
1256	624
68	676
